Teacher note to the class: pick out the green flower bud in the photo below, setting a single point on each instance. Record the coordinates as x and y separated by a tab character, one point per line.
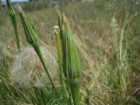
12	14
30	33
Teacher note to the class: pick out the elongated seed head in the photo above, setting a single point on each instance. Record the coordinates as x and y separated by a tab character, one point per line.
10	8
71	61
30	33
12	14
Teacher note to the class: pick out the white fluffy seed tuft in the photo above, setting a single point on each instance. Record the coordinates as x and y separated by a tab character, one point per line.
28	71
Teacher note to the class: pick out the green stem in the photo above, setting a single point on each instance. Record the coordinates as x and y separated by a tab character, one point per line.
75	90
36	48
58	45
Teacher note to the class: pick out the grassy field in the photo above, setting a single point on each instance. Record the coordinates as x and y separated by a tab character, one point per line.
107	35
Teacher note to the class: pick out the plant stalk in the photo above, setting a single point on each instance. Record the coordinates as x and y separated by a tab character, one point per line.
36	48
75	90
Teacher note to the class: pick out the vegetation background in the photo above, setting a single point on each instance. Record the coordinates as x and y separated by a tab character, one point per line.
107	35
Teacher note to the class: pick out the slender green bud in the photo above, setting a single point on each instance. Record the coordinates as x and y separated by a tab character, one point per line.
12	14
10	8
31	35
71	60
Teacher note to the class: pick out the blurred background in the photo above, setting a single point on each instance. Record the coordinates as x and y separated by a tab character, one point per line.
107	34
